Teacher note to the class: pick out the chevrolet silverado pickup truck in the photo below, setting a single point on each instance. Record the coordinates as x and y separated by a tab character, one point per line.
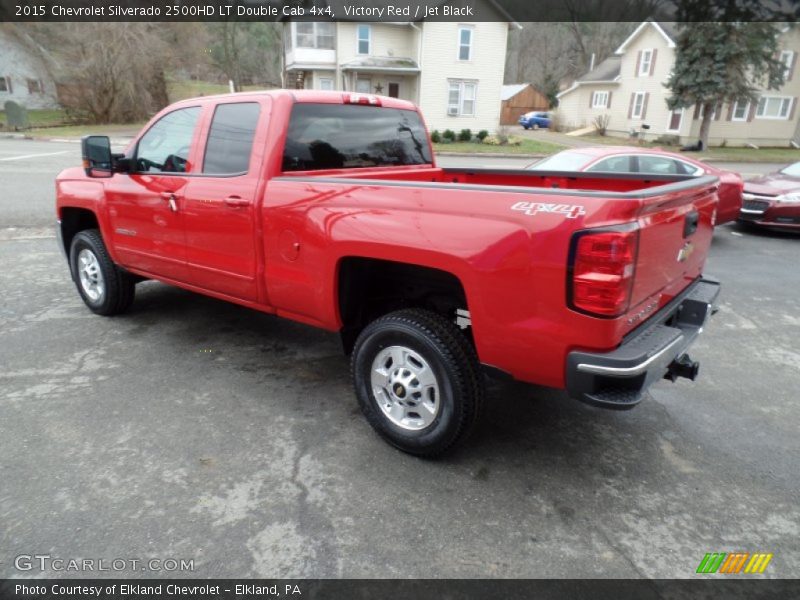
328	208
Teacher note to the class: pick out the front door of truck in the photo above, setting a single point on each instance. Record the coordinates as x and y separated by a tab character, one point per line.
145	206
220	203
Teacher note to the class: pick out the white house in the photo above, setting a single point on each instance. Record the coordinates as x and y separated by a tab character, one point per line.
453	71
629	88
24	78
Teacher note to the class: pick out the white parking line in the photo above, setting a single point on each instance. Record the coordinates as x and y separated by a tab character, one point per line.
34	155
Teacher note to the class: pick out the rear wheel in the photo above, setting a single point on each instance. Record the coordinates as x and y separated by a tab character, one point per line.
418	381
104	288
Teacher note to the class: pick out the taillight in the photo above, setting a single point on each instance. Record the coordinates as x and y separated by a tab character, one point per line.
602	272
362	99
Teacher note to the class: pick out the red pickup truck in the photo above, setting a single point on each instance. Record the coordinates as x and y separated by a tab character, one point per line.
328	208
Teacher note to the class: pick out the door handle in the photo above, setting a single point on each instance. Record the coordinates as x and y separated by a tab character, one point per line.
236	202
171	199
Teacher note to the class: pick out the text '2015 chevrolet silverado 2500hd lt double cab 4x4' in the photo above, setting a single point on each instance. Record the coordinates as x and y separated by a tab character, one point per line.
328	208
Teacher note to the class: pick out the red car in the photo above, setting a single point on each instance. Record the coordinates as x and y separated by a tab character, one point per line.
630	159
773	200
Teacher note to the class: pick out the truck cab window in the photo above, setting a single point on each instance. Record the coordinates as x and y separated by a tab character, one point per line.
165	146
230	139
346	136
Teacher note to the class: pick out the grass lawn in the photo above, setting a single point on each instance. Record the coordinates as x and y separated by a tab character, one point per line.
40	117
180	90
75	131
528	146
732	154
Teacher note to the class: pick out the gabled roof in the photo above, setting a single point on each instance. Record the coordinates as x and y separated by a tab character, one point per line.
509	91
607	71
667	31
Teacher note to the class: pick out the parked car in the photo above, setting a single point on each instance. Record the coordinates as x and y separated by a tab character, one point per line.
773	200
536	120
328	208
645	161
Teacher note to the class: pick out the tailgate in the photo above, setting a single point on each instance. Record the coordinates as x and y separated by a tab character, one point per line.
675	231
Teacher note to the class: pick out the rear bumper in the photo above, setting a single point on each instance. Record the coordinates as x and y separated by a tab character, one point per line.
619	379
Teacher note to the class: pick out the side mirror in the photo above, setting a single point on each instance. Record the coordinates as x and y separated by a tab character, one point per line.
96	154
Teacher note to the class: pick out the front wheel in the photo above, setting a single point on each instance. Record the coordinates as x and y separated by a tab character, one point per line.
104	288
418	381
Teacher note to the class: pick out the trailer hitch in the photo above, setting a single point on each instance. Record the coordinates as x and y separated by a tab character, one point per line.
683	366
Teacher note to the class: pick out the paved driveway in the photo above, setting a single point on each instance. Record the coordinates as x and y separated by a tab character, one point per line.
193	429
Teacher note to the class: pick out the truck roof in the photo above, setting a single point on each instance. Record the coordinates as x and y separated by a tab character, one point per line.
308	96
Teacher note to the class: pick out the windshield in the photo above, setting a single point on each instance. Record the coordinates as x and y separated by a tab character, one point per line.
347	136
563	161
793	170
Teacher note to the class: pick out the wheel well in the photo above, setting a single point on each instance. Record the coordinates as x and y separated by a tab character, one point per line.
370	288
74	220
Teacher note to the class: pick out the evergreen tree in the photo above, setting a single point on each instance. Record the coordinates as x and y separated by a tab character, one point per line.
726	51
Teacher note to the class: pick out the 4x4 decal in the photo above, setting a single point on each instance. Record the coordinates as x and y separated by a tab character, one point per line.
570	211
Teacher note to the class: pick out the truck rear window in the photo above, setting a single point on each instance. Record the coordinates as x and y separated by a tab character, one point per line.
348	136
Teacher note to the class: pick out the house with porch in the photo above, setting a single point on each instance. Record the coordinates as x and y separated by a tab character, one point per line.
453	71
628	89
24	75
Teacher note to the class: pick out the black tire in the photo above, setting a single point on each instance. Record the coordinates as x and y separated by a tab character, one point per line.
453	362
525	127
119	288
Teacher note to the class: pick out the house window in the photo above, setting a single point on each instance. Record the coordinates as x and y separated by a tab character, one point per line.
325	83
315	35
364	86
34	86
461	98
773	107
364	38
646	62
638	105
465	43
5	84
600	100
675	120
787	56
740	110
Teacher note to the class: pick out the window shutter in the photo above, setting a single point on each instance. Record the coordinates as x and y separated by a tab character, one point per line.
591	99
653	61
696	111
752	113
638	62
791	67
791	110
608	101
644	105
8	83
630	106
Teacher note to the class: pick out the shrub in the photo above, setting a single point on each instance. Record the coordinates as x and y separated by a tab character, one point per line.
601	124
492	140
482	134
465	135
436	137
449	135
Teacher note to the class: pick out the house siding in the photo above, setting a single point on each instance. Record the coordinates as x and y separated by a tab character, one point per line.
439	64
17	64
574	110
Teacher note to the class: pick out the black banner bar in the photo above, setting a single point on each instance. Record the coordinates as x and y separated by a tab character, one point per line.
388	10
382	589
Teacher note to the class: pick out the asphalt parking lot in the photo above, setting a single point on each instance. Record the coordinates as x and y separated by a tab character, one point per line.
193	429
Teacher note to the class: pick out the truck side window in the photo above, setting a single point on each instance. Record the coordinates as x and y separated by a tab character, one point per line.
230	139
165	146
349	136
